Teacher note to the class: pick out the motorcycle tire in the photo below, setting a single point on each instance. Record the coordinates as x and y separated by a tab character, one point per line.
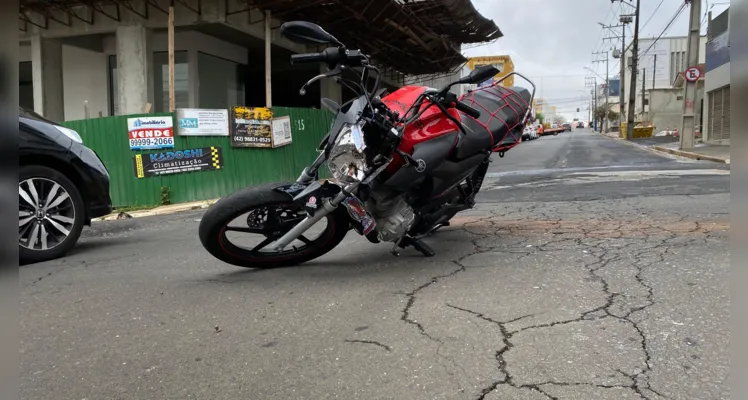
215	221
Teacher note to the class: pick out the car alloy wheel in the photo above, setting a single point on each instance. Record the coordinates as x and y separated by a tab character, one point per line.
46	214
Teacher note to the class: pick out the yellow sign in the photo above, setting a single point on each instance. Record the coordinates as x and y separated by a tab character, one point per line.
139	166
252	127
215	157
258	113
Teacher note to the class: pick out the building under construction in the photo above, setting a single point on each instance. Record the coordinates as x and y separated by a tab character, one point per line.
89	58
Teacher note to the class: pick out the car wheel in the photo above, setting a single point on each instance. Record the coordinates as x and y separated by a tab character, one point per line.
50	214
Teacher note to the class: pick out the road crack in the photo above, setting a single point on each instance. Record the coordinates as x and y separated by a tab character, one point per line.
374	342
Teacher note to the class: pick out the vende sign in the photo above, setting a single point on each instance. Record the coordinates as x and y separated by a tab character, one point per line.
149	127
150	132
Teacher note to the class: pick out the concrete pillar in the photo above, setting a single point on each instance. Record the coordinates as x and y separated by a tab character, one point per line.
329	88
46	65
134	69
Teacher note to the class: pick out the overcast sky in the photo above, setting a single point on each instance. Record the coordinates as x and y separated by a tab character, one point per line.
551	41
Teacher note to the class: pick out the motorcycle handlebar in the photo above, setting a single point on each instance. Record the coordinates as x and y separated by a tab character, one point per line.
308	58
467	109
331	56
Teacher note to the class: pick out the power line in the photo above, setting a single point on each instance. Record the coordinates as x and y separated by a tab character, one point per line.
667	27
609	14
706	12
653	14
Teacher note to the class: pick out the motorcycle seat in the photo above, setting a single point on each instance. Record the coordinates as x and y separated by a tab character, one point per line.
501	111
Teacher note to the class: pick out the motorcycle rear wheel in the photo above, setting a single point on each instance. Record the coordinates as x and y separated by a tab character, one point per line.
270	214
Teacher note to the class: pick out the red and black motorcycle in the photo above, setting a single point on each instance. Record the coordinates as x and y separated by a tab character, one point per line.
401	165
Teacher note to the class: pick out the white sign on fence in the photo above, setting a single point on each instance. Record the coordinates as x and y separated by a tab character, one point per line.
281	131
202	122
150	133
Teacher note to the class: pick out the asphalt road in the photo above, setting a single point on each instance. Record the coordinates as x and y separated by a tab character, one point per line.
591	269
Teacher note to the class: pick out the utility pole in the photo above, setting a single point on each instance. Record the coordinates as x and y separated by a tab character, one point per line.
592	82
606	89
644	84
634	63
654	72
624	19
688	123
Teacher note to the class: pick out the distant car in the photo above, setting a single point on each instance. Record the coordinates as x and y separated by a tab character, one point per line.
62	185
568	127
580	125
530	133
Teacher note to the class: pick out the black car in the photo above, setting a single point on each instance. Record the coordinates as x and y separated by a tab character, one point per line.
62	185
567	127
580	124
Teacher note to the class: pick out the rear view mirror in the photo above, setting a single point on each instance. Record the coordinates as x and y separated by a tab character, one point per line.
307	33
480	75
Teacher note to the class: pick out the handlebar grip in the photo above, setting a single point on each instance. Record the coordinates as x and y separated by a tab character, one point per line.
467	109
308	58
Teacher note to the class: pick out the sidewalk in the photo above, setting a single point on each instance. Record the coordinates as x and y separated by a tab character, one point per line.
161	210
701	151
670	144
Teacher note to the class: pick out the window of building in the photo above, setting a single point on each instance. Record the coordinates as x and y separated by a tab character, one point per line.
222	82
161	81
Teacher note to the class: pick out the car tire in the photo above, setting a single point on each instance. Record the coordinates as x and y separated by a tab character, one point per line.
63	221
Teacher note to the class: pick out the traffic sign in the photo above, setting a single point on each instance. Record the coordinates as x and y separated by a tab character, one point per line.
693	74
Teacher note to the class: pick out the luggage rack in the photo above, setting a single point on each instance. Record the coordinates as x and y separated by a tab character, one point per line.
506	93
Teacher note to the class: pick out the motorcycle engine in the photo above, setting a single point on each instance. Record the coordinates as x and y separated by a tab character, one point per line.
393	215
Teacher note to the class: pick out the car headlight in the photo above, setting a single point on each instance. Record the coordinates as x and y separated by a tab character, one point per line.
347	161
73	135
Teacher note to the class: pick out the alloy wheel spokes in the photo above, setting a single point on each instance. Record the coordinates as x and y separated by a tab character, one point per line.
272	222
59	227
46	214
62	197
25	196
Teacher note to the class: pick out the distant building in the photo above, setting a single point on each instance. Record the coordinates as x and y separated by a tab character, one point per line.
717	80
660	63
503	63
85	59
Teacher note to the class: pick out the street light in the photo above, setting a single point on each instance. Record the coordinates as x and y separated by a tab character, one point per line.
590	69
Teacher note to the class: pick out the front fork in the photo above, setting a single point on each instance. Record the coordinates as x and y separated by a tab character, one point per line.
328	205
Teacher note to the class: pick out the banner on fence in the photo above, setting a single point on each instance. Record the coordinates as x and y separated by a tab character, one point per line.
281	131
179	161
252	127
150	133
202	122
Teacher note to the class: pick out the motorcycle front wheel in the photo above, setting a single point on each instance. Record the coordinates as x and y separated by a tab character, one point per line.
241	228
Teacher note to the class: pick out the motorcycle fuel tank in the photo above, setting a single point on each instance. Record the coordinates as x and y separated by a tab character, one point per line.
431	125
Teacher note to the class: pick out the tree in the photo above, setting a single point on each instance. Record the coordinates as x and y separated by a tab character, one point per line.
559	120
600	113
540	117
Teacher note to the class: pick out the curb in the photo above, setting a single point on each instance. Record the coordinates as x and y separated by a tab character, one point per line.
693	156
162	210
675	152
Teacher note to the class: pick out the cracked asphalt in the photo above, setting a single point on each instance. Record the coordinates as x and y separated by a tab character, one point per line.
589	269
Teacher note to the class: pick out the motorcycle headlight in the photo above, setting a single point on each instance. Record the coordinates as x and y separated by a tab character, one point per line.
347	162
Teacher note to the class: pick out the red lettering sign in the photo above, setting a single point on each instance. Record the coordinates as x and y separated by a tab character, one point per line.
151	133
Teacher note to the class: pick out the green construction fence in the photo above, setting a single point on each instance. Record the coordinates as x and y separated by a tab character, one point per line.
242	166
